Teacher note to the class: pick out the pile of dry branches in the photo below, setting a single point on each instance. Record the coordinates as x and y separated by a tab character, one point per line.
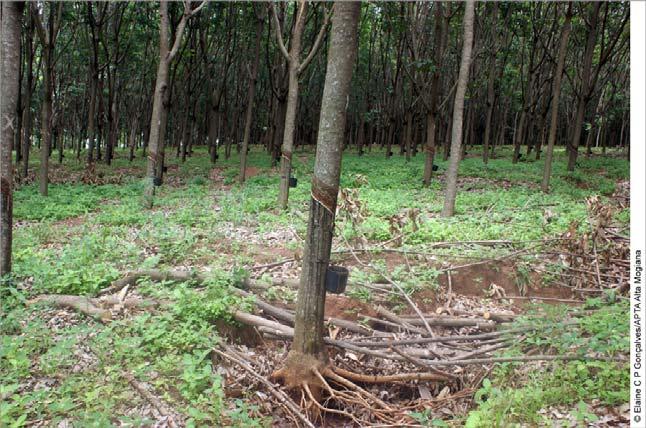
597	260
421	356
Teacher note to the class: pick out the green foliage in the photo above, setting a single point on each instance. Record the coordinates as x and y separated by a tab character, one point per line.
247	416
508	399
64	200
54	252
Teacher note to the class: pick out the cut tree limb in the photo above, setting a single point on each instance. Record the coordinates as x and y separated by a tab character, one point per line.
81	304
400	377
280	395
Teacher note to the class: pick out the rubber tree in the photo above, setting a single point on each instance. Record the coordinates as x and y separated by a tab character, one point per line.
29	90
166	56
556	93
295	68
10	23
491	80
95	24
458	111
308	349
589	74
431	116
47	36
251	91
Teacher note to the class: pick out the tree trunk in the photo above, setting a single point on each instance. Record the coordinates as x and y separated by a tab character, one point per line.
161	85
46	118
458	112
584	95
10	25
431	117
161	100
491	95
29	88
408	133
253	77
308	342
131	139
94	83
556	92
292	104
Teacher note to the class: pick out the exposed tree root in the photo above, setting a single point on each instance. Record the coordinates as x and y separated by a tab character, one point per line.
310	376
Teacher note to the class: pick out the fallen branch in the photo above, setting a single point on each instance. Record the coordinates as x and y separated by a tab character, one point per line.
456	338
400	377
421	363
397	320
280	395
547	299
481	324
159	275
527	358
81	304
143	391
272	265
394	284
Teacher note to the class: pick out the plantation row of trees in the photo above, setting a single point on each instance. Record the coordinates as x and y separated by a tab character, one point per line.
237	74
96	76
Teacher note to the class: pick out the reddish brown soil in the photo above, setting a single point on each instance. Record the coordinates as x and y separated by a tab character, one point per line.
346	308
265	255
240	334
251	171
392	260
475	280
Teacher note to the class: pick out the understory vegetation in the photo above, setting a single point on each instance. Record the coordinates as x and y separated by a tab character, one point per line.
57	365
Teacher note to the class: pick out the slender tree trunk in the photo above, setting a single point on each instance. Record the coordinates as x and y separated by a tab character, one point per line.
10	24
46	119
292	105
91	116
132	142
458	112
161	101
584	95
491	95
431	117
29	87
19	108
556	93
155	142
308	345
253	77
409	132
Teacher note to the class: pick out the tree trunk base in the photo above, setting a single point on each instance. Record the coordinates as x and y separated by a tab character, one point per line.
301	370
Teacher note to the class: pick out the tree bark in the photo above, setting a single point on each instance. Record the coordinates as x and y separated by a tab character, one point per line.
161	98
10	25
292	104
586	90
556	92
47	38
308	334
458	112
29	89
253	77
94	81
431	117
491	95
294	68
